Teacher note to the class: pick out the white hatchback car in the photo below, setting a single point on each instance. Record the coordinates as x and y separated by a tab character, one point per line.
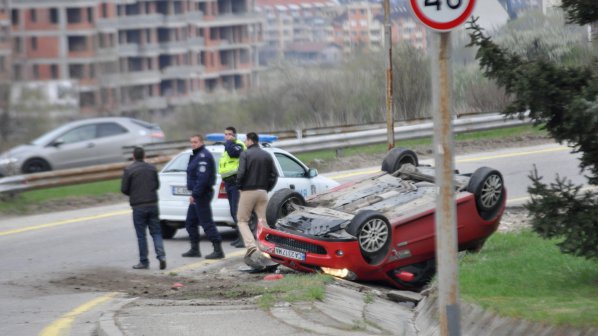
174	196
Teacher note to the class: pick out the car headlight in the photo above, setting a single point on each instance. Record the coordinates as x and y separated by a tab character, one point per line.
8	161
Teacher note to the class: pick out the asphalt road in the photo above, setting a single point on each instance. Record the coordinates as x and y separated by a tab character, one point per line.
36	250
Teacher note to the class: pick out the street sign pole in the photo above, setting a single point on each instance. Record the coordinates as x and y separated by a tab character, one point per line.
389	85
442	16
446	228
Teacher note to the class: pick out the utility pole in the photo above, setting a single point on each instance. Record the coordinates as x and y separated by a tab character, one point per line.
389	87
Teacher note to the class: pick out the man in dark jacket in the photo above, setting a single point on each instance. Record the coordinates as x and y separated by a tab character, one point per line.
140	182
201	176
255	177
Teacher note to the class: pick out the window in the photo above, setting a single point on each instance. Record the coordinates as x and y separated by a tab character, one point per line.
34	43
290	167
78	134
54	15
109	129
54	71
2	63
90	15
18	45
76	71
104	10
33	15
36	71
14	16
77	43
73	15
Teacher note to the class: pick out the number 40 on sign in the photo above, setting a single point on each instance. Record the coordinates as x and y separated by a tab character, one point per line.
442	15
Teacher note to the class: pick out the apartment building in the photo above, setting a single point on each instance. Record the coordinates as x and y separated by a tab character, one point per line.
124	56
5	54
350	25
289	22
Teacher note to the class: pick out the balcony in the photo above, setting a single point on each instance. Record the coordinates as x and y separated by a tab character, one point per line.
130	78
229	19
182	71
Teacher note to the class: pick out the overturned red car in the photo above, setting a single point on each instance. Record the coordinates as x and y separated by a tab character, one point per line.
380	228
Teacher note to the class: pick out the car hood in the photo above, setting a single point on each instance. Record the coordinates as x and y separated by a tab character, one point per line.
18	151
315	221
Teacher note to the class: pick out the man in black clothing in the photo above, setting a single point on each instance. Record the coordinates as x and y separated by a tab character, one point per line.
140	182
255	177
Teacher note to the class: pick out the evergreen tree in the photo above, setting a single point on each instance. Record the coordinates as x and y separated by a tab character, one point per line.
564	101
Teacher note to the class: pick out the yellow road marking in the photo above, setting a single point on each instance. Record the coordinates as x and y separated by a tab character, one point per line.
64	222
205	262
479	158
501	156
62	326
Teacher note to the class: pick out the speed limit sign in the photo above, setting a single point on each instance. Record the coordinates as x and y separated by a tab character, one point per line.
442	15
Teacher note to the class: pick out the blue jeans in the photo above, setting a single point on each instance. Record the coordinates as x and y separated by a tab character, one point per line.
145	217
232	193
201	213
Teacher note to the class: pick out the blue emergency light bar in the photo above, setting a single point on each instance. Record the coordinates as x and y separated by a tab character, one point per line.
219	137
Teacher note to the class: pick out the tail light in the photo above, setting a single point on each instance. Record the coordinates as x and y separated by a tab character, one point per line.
405	276
222	191
157	135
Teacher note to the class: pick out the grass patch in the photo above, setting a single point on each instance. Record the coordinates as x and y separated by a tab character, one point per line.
524	276
292	288
517	131
21	202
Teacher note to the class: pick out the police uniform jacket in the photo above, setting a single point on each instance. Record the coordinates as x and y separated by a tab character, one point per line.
201	172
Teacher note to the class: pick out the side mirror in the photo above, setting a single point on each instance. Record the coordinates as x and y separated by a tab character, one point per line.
58	142
312	172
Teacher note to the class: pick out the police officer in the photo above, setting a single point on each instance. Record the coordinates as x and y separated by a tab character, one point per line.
227	166
201	176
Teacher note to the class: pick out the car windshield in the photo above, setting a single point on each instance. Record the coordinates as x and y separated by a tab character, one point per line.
179	164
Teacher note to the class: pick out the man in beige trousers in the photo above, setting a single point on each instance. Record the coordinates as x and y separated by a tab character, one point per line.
256	176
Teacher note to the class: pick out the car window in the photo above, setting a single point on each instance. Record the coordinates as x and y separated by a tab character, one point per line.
180	162
108	129
290	167
145	124
78	134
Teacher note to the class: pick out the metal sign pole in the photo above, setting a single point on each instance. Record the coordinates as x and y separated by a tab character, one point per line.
389	85
446	228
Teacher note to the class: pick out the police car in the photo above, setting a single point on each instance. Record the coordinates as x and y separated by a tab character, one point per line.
174	196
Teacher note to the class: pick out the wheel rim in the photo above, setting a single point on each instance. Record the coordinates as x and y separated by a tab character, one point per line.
287	207
373	235
491	191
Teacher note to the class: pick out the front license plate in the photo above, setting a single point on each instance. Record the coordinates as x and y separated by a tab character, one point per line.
289	254
180	191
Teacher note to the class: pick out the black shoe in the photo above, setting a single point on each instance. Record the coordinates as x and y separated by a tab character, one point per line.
162	264
192	253
141	266
239	244
218	253
236	241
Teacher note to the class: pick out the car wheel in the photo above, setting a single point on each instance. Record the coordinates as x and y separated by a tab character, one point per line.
396	158
167	231
280	204
488	187
35	166
373	234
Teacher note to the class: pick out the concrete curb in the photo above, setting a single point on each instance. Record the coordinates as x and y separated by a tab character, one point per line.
107	323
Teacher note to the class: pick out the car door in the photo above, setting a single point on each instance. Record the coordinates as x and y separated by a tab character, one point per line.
293	175
72	148
109	142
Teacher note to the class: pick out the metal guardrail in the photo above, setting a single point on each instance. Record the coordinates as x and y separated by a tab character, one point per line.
160	153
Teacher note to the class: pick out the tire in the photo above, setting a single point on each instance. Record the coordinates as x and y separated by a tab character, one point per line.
373	234
278	205
489	189
35	165
396	158
168	231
